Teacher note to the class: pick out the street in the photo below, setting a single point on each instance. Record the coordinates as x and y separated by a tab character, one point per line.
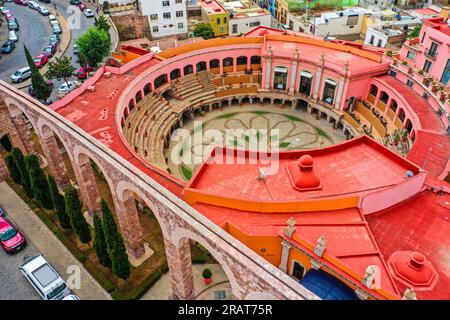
35	31
13	284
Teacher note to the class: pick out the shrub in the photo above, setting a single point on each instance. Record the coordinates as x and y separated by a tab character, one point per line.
207	274
13	169
73	210
38	182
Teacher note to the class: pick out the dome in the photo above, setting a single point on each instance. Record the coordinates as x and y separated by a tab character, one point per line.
302	175
413	269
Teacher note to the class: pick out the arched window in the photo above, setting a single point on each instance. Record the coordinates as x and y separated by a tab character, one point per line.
280	78
393	105
188	69
401	115
329	90
227	62
241	63
215	63
384	97
138	96
131	105
175	74
255	60
201	66
408	126
373	90
147	88
161	80
305	83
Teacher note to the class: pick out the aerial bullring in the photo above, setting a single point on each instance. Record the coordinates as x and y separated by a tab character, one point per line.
357	151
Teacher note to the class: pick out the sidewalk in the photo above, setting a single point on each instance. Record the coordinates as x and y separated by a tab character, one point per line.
161	289
46	242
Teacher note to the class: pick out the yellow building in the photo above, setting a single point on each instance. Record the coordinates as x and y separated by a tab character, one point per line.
216	16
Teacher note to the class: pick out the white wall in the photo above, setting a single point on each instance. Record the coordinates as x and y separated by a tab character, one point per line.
377	36
338	27
166	27
243	24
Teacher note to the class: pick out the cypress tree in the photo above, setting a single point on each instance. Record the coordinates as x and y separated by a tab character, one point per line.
73	210
100	245
38	182
119	258
41	88
58	203
19	160
13	170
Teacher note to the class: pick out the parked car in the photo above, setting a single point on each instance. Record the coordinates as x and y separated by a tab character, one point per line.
44	279
49	51
88	13
67	87
9	16
71	297
43	10
53	20
82	73
56	29
11	239
21	74
75	49
4	10
8	46
41	60
21	2
33	5
75	2
45	1
13	36
13	24
2	212
54	39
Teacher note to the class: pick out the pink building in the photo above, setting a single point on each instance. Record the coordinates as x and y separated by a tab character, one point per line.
430	51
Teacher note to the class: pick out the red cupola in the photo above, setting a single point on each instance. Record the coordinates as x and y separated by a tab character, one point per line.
413	270
302	174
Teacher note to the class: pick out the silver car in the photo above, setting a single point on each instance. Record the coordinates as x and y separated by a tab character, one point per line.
13	36
21	74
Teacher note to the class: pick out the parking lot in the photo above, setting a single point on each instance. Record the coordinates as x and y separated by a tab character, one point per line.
35	31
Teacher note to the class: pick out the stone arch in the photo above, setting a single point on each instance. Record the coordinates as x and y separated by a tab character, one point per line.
401	115
181	235
228	64
188	69
373	90
214	66
393	105
408	125
255	60
160	81
139	96
384	97
147	88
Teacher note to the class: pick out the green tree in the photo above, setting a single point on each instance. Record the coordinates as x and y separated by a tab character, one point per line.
60	69
58	203
19	160
41	89
204	30
82	60
102	23
38	181
94	45
415	32
116	247
13	169
73	210
100	246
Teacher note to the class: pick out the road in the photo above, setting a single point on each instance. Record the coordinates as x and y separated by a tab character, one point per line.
13	285
35	31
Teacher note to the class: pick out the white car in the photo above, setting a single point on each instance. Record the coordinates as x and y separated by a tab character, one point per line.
4	9
33	5
88	13
44	279
53	20
71	297
43	10
13	36
67	87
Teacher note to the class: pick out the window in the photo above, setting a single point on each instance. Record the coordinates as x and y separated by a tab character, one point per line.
328	91
178	1
352	20
427	66
280	78
409	83
225	19
433	49
372	39
166	3
179	14
446	74
218	21
425	96
153	17
380	43
155	29
234	28
423	37
254	24
166	15
298	270
222	29
392	73
411	55
180	25
305	83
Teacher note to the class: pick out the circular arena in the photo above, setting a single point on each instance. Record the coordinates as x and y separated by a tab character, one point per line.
315	156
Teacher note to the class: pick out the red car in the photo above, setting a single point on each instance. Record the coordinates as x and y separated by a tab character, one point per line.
82	72
40	60
10	238
21	2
